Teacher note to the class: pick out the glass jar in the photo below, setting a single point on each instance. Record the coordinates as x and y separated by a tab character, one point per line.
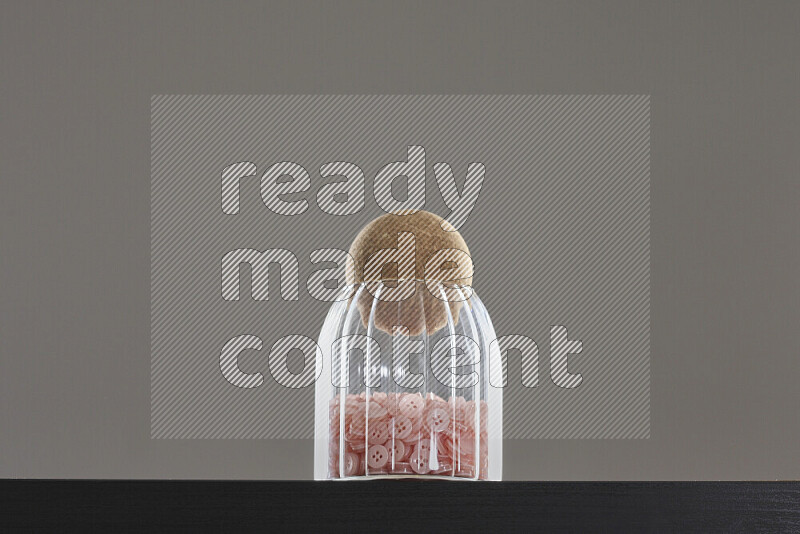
404	390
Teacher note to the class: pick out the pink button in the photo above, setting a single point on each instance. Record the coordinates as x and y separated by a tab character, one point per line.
392	404
470	414
411	406
378	432
357	446
402	468
445	468
403	427
351	464
435	402
380	398
333	467
422	446
397	448
419	462
377	456
457	402
376	411
433	397
464	444
354	406
362	465
358	423
465	470
444	447
437	419
353	435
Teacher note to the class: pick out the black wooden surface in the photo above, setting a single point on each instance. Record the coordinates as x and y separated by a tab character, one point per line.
407	506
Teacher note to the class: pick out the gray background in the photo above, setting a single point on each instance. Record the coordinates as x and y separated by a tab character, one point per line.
76	85
558	236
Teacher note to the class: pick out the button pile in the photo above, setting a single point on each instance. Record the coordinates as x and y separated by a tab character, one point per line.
408	434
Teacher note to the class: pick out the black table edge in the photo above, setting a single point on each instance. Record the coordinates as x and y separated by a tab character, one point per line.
402	505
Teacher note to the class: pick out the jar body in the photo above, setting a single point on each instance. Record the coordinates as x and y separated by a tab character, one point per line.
405	386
